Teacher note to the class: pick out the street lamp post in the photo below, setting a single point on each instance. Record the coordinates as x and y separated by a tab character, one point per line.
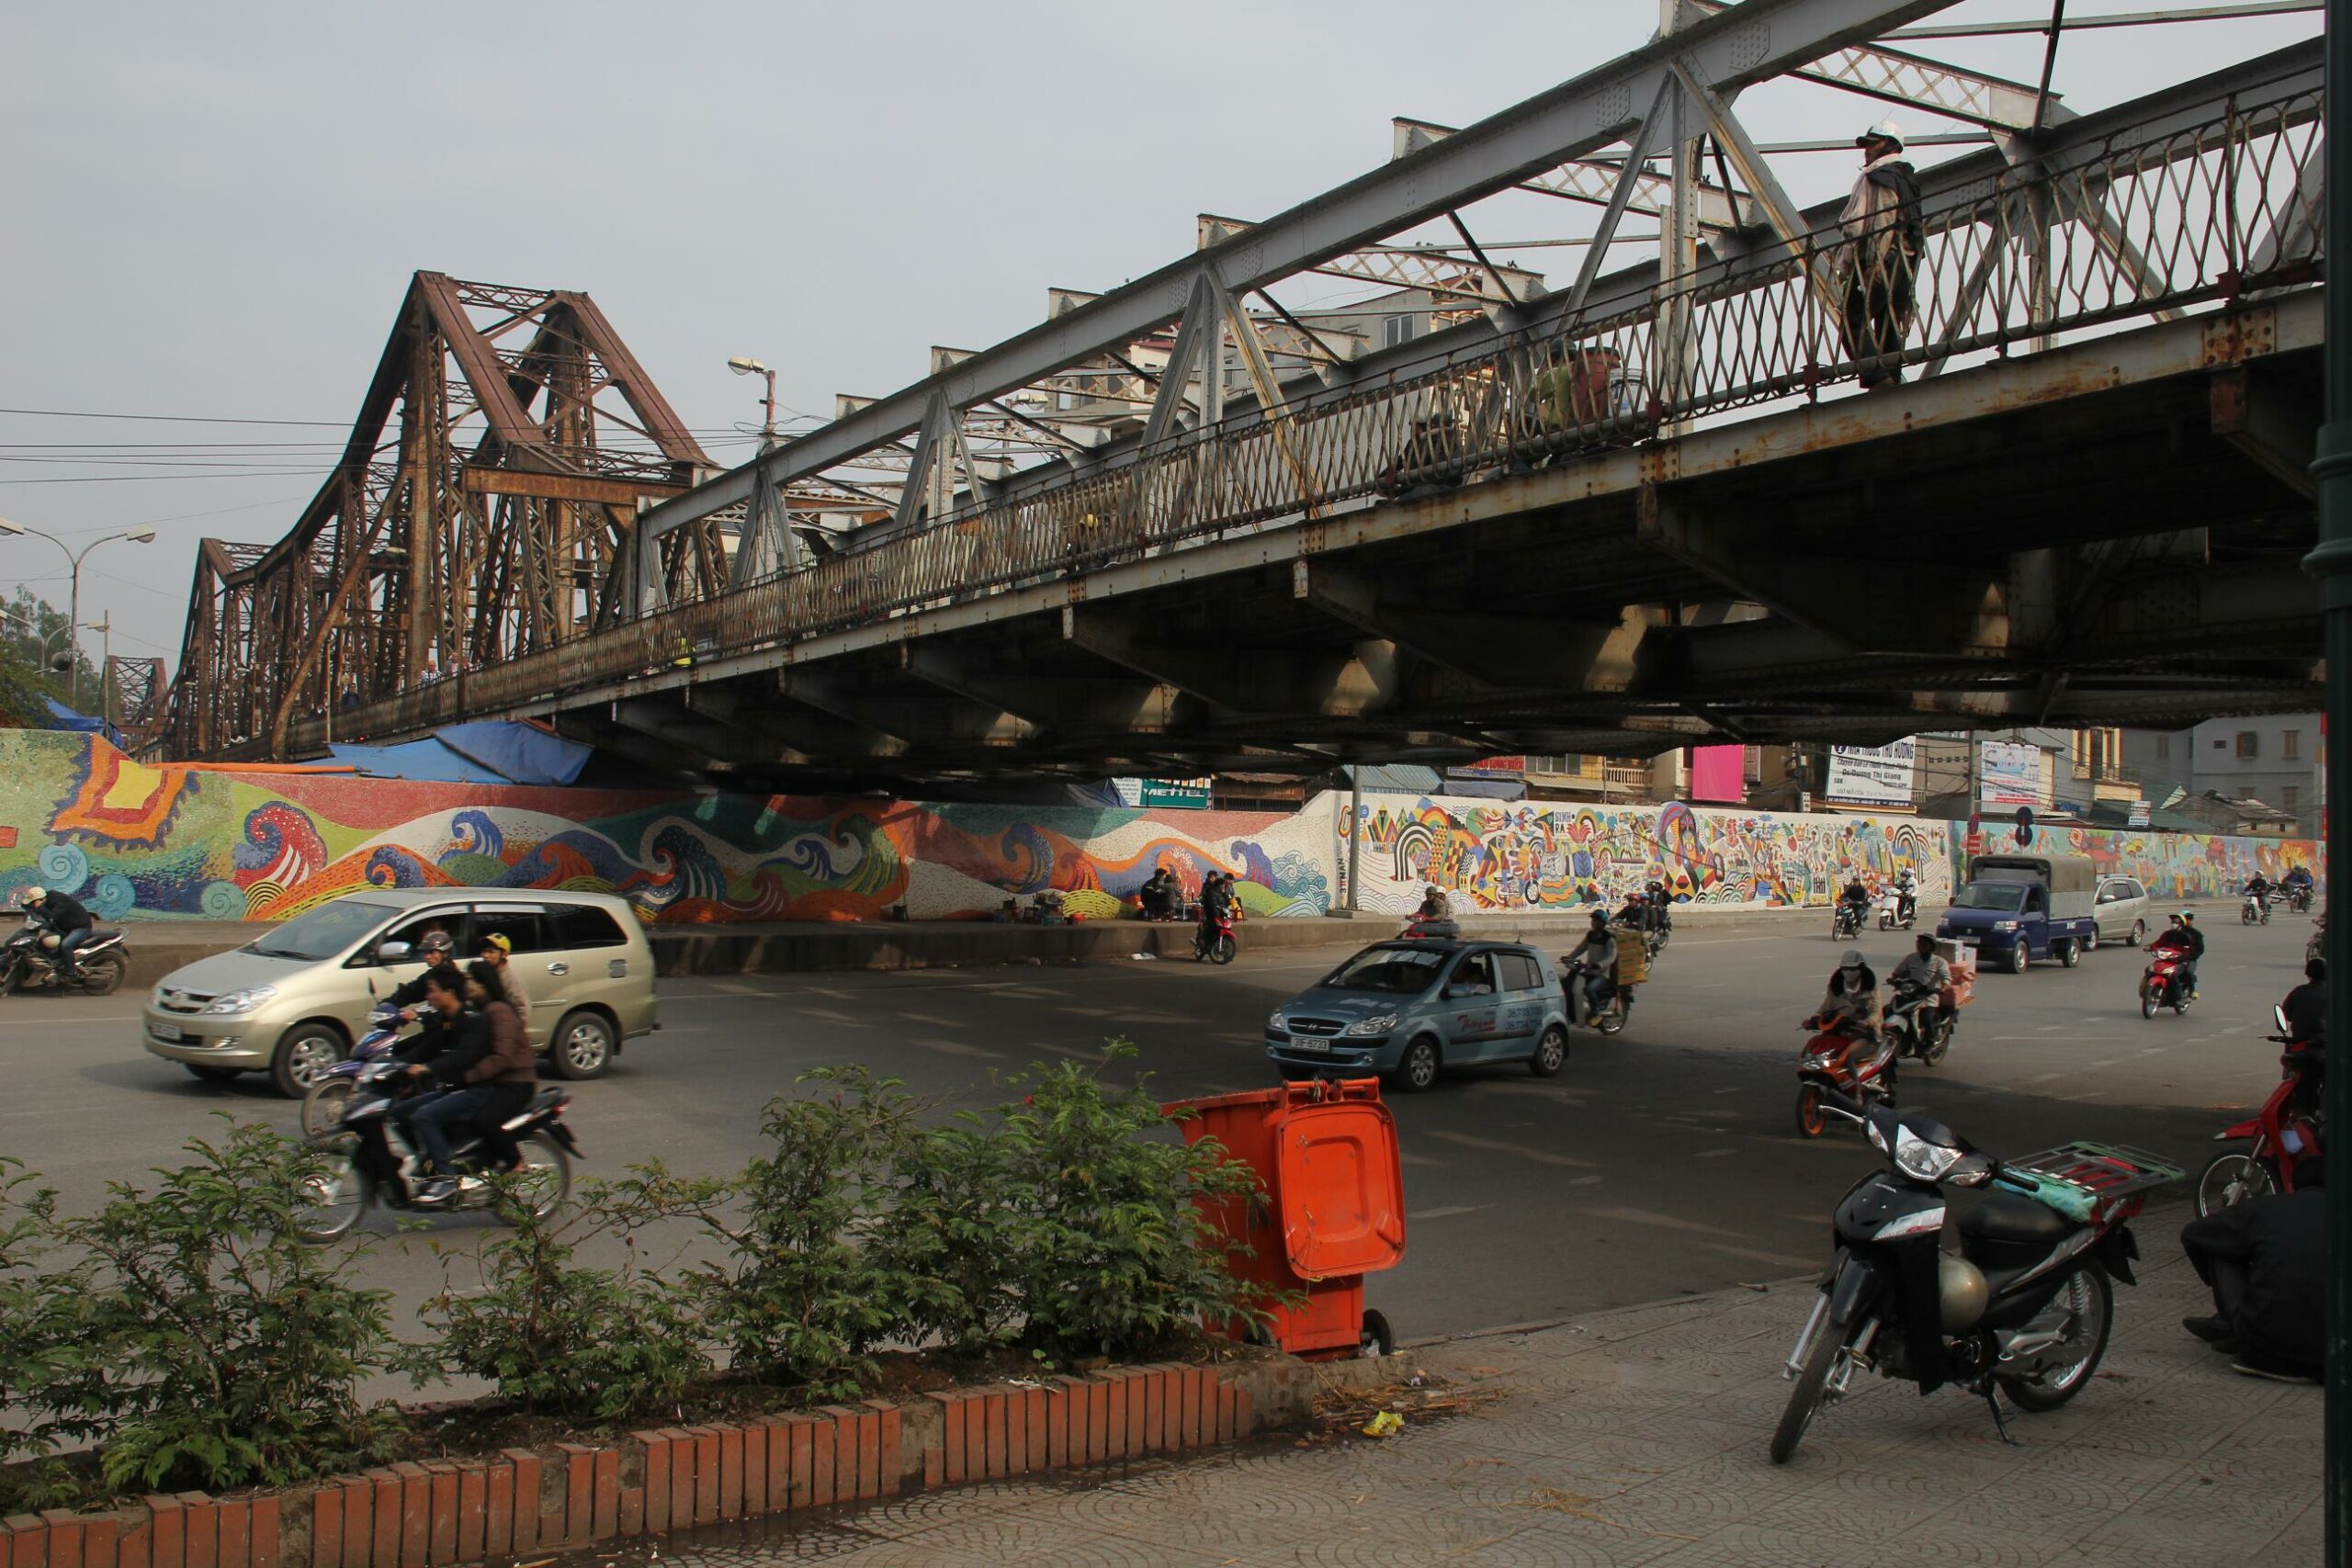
743	364
73	597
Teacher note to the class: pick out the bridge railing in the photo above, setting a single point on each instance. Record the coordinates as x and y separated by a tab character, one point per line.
2149	222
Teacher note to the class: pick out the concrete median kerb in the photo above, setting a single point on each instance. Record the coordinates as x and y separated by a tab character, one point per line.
664	1480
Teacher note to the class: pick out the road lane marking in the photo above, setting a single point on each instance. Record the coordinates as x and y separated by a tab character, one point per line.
1660	1222
1714	1154
1586	1180
1448	1212
1497	1146
957	1048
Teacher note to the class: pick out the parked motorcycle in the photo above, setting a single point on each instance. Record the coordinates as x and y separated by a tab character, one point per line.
371	1162
1846	920
2279	1137
2023	1308
2165	983
2255	908
1837	1069
1892	913
26	964
1214	940
324	1102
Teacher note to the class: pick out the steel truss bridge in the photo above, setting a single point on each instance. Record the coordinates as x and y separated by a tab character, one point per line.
1263	546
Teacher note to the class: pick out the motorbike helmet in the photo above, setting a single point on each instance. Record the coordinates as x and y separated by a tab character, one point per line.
35	897
498	940
435	942
2184	917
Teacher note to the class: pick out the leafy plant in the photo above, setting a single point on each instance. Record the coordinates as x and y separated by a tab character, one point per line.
28	1345
196	1338
554	1336
805	1293
1108	1253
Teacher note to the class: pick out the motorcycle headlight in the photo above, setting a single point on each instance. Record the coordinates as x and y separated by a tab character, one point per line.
245	1000
1813	1065
1917	1157
1380	1025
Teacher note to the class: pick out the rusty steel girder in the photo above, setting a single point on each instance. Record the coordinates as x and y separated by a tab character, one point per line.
491	479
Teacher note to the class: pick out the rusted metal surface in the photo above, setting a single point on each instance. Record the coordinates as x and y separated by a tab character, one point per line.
492	475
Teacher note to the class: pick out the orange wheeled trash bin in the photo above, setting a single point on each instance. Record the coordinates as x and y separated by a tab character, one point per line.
1330	1208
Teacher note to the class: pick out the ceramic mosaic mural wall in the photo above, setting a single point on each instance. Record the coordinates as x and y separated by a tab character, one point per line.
169	841
2173	865
1496	857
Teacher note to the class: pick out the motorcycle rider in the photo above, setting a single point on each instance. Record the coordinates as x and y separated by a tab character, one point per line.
1850	1005
2183	937
1855	899
1906	895
66	920
2258	888
2306	1005
1216	901
1922	974
488	1069
436	948
1597	954
2297	882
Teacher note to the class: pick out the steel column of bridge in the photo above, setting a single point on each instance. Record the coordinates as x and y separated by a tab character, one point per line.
463	526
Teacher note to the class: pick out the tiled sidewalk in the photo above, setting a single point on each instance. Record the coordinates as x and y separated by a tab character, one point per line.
1639	1437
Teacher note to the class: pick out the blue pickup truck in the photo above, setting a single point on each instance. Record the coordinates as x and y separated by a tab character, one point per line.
2017	907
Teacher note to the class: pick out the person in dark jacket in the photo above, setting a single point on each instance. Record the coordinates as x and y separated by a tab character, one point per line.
436	948
2267	1262
1878	264
67	920
2306	1005
487	1069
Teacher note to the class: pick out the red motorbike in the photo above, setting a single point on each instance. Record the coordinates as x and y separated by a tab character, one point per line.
2166	982
2279	1137
1840	1067
1213	941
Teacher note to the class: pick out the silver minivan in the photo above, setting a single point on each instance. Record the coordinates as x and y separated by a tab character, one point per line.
2121	910
292	1002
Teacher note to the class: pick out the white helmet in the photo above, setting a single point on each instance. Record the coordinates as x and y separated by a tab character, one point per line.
1887	129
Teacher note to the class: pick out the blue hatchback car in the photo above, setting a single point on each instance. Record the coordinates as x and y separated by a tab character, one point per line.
1406	1010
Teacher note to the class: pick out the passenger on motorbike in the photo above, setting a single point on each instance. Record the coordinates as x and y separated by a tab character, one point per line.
66	922
495	949
1922	975
1596	958
2298	880
488	1067
2183	937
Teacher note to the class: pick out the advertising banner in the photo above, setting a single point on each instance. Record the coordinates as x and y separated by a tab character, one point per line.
1873	775
1719	774
2009	774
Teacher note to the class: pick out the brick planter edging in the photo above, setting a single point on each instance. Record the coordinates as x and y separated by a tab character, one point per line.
665	1479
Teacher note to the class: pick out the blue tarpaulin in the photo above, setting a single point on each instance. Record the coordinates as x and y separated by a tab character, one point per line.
488	753
62	717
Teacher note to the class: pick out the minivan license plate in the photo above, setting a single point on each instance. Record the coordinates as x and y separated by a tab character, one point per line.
168	1033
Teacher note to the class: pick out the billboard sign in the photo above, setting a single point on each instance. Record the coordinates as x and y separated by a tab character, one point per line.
1873	775
2009	774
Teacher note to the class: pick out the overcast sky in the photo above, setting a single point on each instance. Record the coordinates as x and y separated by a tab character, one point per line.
212	211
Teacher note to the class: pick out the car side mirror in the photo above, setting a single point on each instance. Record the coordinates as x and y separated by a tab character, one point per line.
392	952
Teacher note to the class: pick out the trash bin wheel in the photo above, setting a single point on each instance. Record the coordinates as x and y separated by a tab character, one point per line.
1377	1338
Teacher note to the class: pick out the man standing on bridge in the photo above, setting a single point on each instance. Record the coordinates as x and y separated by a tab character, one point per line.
1878	265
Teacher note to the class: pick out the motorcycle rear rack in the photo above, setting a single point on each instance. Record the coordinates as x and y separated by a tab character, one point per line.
2077	1179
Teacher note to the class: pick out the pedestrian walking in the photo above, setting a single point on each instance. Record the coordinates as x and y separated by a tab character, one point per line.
1878	263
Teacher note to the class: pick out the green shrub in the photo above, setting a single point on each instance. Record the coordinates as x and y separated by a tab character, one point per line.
558	1337
805	1294
195	1338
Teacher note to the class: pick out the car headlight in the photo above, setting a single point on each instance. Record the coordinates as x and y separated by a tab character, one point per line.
2005	925
245	1000
1917	1157
1380	1025
1274	1021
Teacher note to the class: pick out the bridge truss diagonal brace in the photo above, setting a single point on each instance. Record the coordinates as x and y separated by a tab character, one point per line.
1787	220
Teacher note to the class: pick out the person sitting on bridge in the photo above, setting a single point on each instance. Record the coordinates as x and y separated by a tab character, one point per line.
1878	265
2267	1262
1156	899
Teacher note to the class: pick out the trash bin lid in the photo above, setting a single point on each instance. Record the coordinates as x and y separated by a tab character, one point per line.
1341	1190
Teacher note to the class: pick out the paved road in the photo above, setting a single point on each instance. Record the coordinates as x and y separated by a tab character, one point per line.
1661	1161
